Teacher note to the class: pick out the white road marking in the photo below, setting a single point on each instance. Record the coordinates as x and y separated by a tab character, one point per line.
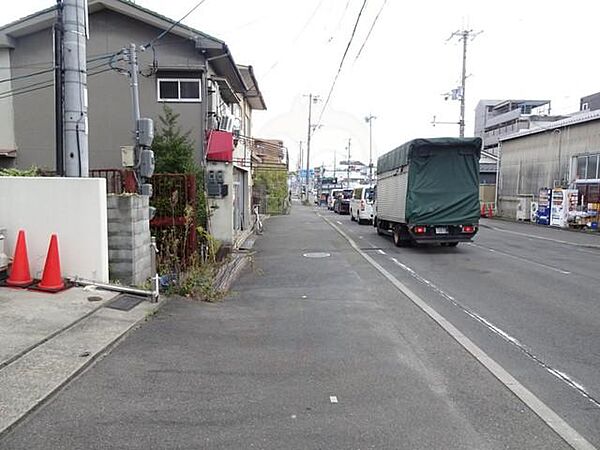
381	252
338	222
533	236
520	258
304	296
360	237
553	420
333	399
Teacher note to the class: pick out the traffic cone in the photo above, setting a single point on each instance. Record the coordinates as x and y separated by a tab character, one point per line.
19	274
51	278
490	211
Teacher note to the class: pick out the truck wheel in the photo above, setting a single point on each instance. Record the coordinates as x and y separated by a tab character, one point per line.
452	244
351	216
380	230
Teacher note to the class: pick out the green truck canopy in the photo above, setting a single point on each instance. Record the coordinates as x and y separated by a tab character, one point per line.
443	179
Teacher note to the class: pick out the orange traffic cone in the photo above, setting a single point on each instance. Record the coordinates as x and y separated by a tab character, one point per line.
483	210
490	211
51	278
19	274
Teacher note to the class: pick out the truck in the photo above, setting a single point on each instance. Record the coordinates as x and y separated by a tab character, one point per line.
428	191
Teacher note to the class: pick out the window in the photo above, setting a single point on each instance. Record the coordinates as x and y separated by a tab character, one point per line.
587	167
178	90
585	106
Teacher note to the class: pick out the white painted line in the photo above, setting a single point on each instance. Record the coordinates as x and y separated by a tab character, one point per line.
520	258
381	252
304	296
553	420
360	237
533	236
333	399
338	222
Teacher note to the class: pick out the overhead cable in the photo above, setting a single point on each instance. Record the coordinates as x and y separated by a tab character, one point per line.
341	65
370	30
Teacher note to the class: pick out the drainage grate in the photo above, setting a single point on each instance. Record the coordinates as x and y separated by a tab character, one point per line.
316	255
126	302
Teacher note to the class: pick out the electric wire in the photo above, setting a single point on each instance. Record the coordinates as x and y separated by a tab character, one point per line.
33	74
370	30
340	66
285	51
164	33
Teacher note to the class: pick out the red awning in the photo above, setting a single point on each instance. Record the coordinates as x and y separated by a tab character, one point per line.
219	146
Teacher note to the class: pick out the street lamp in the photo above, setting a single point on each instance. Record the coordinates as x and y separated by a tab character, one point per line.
369	120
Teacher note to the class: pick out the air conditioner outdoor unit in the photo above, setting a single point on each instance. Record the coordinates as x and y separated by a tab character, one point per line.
226	123
533	212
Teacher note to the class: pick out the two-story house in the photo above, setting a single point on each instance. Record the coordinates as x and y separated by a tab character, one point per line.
191	72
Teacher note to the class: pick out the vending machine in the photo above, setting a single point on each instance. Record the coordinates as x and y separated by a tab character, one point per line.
563	201
543	207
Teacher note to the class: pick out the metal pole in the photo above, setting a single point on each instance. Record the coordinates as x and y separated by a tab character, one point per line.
370	120
75	81
334	162
465	36
348	167
59	90
310	98
135	108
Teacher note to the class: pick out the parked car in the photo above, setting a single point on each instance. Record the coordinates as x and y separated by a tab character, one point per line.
332	196
342	202
361	205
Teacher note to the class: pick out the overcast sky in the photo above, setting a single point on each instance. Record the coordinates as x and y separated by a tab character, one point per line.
528	49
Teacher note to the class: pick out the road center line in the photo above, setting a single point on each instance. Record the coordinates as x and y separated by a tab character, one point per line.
381	252
553	420
568	380
520	258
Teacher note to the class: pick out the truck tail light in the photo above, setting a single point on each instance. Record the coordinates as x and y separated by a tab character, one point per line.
468	228
419	229
362	205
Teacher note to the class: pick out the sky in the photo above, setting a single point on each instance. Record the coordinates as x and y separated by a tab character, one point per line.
521	50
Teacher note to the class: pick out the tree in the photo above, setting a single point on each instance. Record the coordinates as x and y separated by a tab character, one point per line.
173	150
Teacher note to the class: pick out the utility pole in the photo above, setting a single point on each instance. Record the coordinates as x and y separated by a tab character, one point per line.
59	90
75	116
311	99
463	35
369	120
143	131
334	162
348	167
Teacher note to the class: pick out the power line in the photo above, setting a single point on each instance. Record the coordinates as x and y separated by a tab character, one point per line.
161	35
33	74
285	52
341	64
370	30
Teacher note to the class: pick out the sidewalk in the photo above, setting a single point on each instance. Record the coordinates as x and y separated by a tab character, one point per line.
47	339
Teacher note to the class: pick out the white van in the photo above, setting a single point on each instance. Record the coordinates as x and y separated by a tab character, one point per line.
361	204
332	196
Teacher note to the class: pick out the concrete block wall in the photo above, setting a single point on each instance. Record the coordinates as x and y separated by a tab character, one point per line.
129	254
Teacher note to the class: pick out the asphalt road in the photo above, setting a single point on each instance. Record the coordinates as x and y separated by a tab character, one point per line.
325	353
529	296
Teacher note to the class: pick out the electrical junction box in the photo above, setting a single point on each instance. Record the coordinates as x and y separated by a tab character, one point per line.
146	163
127	156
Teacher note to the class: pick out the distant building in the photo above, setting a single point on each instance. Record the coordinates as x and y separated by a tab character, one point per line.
590	102
495	119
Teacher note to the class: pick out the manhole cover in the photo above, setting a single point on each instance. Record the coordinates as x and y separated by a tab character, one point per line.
126	302
316	255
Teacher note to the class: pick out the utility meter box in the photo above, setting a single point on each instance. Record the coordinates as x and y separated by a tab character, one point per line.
127	156
146	132
146	163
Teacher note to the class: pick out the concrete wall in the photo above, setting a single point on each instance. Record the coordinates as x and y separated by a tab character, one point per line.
221	209
110	116
539	160
73	208
129	239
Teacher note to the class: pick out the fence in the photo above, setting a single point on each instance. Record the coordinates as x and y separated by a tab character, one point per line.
118	181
